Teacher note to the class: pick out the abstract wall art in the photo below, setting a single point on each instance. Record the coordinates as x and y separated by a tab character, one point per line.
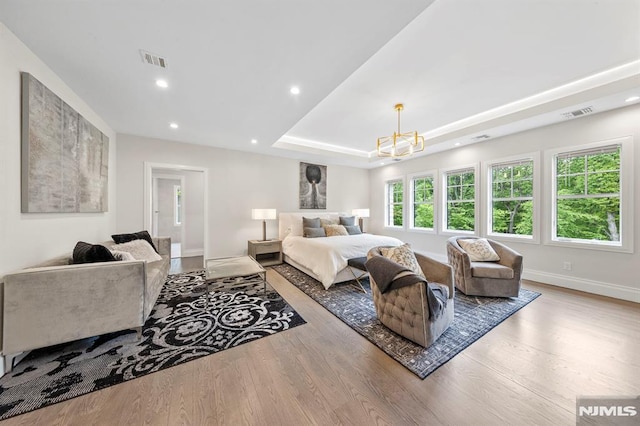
313	186
65	159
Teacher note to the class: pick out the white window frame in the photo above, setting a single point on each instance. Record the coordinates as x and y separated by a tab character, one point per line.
443	199
411	213
626	198
487	198
387	217
178	211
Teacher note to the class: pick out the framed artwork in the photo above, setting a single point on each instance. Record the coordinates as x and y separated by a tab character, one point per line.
313	186
65	159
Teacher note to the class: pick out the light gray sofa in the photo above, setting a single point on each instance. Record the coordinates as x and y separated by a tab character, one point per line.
57	302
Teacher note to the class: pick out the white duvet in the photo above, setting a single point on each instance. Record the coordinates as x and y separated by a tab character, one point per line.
326	256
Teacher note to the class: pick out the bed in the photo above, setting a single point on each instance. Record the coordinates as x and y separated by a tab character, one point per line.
325	258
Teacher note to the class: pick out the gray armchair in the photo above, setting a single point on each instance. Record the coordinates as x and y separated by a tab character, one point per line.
495	279
405	310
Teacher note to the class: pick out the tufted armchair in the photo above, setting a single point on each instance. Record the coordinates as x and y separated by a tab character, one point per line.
495	279
405	310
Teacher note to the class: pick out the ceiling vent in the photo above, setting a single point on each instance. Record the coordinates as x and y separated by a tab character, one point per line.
153	59
480	137
578	112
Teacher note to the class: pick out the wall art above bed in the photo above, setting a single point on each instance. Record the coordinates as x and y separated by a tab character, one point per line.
65	159
313	186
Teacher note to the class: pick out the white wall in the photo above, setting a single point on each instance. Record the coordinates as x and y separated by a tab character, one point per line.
601	272
29	238
237	182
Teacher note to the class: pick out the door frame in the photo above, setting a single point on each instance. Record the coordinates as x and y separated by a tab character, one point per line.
154	219
148	195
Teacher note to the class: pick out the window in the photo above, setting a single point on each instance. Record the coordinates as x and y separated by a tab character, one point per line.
511	198
459	200
422	202
177	203
587	200
395	203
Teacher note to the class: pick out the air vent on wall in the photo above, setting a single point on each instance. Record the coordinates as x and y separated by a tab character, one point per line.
480	137
578	112
153	59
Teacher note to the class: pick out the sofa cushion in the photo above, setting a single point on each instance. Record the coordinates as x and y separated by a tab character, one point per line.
89	253
140	235
490	270
139	249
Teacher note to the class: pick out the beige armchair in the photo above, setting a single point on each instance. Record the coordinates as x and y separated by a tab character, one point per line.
406	311
495	279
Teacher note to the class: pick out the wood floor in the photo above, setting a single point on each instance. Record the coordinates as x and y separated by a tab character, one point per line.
528	370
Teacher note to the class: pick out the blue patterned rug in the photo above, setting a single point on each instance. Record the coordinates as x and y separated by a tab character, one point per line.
473	318
178	330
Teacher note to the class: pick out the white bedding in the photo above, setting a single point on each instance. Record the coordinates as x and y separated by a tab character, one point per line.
326	256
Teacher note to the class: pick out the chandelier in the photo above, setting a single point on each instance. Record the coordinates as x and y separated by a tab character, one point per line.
400	144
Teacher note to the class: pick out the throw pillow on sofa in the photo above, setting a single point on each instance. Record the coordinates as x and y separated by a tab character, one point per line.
122	255
89	253
140	235
139	249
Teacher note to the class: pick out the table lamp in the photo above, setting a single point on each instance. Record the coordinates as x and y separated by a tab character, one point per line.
361	213
263	215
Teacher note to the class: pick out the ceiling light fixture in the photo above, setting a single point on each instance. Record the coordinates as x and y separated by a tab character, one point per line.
400	144
173	125
254	141
457	144
632	98
162	83
295	90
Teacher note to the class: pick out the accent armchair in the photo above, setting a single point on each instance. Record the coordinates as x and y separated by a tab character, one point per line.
406	311
485	278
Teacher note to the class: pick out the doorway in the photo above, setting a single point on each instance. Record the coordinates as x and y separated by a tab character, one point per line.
176	206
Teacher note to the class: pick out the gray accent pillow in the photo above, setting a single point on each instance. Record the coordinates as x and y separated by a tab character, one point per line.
313	232
310	222
347	220
353	230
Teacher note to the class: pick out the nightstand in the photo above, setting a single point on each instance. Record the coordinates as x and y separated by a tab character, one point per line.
266	253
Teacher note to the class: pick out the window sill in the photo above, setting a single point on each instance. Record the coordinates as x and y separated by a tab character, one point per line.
590	245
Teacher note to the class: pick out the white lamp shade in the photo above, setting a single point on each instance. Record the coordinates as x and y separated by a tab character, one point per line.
360	212
263	214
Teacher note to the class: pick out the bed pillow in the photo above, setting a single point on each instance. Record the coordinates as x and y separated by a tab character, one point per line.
140	235
404	256
353	230
335	230
479	250
347	220
328	222
313	232
139	249
89	253
310	222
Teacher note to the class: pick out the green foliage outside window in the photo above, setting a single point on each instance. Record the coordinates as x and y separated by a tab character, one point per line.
423	202
461	200
588	195
396	199
512	198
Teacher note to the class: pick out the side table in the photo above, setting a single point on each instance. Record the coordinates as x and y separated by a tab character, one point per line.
266	253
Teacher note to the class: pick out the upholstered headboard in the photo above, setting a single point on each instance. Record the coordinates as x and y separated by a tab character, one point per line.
291	223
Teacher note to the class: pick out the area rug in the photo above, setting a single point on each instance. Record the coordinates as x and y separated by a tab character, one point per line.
473	318
178	330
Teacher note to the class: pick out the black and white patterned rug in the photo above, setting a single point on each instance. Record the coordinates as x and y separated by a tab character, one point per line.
178	330
473	318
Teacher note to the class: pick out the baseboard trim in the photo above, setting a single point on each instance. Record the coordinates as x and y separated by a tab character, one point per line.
191	253
582	284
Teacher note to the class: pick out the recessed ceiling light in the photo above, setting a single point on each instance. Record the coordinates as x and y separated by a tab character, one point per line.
632	98
173	125
254	141
456	144
295	90
162	83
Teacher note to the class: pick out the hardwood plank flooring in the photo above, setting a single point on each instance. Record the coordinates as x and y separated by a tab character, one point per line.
528	370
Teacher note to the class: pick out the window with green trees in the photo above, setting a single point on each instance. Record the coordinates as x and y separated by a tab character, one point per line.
587	195
511	195
395	202
422	195
460	200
